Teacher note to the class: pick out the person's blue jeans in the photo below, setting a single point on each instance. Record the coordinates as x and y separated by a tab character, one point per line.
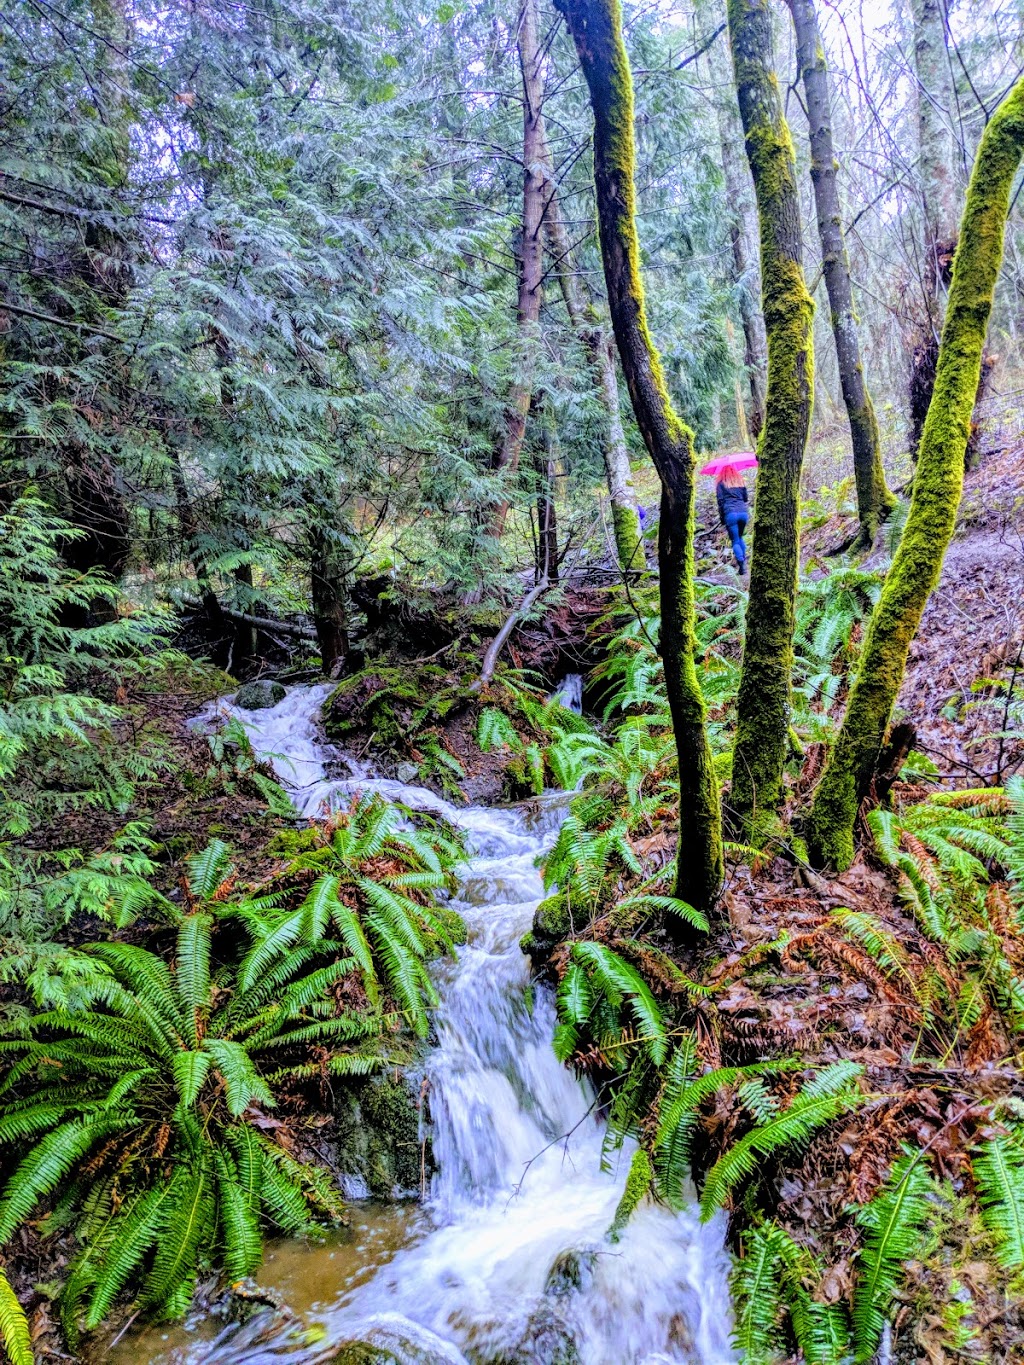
736	524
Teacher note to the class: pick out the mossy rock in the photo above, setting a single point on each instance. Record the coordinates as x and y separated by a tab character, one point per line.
572	1272
259	696
396	703
552	923
289	843
377	1138
363	1353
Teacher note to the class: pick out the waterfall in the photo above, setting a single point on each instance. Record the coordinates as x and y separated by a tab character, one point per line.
513	1265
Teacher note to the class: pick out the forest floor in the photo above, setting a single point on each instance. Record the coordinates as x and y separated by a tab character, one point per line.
814	997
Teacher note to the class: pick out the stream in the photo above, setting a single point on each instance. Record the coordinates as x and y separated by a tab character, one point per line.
506	1262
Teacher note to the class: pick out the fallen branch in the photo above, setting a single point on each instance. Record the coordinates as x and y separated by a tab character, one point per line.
501	639
263	622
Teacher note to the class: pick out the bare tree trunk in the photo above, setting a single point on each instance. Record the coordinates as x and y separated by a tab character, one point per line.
537	188
940	196
848	777
763	705
596	28
937	156
739	193
328	600
545	467
629	545
874	501
189	528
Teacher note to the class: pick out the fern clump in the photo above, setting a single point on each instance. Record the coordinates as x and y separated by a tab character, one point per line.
892	1224
138	1116
825	1097
370	881
998	1168
773	1286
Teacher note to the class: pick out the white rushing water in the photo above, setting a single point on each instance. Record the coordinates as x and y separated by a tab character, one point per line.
516	1266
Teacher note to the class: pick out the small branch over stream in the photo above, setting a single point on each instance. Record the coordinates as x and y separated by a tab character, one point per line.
501	639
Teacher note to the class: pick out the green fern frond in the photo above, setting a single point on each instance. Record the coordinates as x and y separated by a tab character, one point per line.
758	1331
193	969
893	1222
187	1209
820	1101
208	870
619	981
999	1173
14	1329
137	1228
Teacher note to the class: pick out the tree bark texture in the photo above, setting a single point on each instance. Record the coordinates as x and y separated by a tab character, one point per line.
328	600
763	706
874	501
937	149
545	467
743	225
939	188
596	27
629	545
537	189
938	484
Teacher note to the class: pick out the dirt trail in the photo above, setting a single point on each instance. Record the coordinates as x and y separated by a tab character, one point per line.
973	629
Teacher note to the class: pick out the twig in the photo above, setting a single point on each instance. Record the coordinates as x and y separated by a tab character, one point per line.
501	639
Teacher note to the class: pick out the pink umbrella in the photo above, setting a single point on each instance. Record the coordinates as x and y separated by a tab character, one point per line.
743	459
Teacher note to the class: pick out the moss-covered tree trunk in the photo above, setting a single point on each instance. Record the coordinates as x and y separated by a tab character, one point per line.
596	27
847	779
629	546
762	731
874	501
537	187
739	194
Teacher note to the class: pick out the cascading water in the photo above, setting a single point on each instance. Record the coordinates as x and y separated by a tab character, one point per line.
513	1265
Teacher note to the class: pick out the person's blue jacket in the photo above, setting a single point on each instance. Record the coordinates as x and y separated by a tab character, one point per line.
731	500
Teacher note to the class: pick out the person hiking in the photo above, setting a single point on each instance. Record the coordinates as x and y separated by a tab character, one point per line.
733	511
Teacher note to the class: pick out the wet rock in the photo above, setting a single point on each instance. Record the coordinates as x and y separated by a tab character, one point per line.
362	1353
259	696
546	1340
390	1339
552	923
407	772
376	1135
571	1273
